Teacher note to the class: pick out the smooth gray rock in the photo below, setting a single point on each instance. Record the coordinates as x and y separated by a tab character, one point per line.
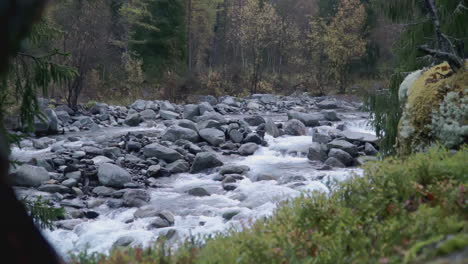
175	132
236	136
205	160
343	145
333	162
321	138
341	155
64	108
136	198
70	183
123	241
133	119
53	121
252	138
228	215
103	191
148	114
112	175
42	143
191	111
295	127
234	169
317	152
254	120
161	152
139	105
271	128
213	136
330	115
208	98
369	149
63	116
168	115
153	170
358	136
54	188
146	211
211	116
159	223
205	107
69	224
327	104
248	149
308	119
178	166
198	191
188	124
101	159
76	175
29	176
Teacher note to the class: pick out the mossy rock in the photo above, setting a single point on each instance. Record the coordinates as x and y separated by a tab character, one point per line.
425	96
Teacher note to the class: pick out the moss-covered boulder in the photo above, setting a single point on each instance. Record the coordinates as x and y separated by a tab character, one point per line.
435	109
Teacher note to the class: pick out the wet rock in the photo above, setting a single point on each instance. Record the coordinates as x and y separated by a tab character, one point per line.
139	105
101	159
91	214
112	175
54	188
228	215
358	136
321	138
236	136
248	149
198	191
90	150
333	162
213	136
234	169
271	128
29	176
146	211
42	143
253	138
73	203
136	198
191	111
211	116
317	152
255	120
370	150
114	203
295	127
159	223
341	155
175	132
308	119
265	177
133	146
188	124
205	160
161	152
229	186
205	107
123	241
133	119
343	145
70	183
148	114
178	166
103	191
76	175
330	115
68	224
327	104
153	171
168	115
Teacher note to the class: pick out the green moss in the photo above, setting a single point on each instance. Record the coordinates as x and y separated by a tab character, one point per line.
398	212
90	104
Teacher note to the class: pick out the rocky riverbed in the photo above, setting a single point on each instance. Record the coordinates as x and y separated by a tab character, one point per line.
128	175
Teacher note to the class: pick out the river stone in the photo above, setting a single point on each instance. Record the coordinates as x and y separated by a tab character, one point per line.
236	136
29	176
205	107
248	149
330	115
64	108
136	198
63	116
205	160
321	138
308	119
295	127
53	188
139	105
133	119
161	152
252	138
112	175
271	128
175	132
327	104
341	155
188	124
153	170
148	114
208	98
76	175
191	111
168	115
255	120
213	136
343	145
228	215
317	152
234	169
159	223
101	159
70	183
198	191
42	143
167	106
211	116
178	166
369	149
359	136
123	241
333	162
103	191
146	211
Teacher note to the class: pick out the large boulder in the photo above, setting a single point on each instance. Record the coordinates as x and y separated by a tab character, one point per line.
136	198
205	107
317	152
161	152
343	145
113	176
29	176
133	119
213	136
271	128
211	116
359	136
309	119
341	155
175	132
295	127
178	166
148	114
248	149
191	111
168	115
205	160
327	104
254	120
330	115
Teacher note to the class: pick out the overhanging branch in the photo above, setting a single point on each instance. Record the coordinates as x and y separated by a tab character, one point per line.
455	62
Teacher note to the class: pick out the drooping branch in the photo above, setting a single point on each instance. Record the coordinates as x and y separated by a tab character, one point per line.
454	61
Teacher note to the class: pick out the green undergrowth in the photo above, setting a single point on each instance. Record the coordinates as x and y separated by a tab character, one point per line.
411	210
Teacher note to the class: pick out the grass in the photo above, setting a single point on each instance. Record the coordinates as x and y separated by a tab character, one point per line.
411	210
